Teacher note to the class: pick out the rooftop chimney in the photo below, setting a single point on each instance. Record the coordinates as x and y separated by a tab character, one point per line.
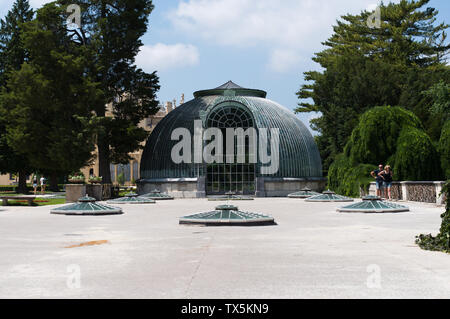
168	106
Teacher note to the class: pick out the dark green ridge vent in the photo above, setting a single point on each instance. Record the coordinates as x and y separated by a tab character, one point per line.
131	198
373	204
86	206
230	88
329	196
228	215
229	196
156	195
303	193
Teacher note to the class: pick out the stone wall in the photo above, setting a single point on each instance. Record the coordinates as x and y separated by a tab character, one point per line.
416	191
176	187
281	187
195	187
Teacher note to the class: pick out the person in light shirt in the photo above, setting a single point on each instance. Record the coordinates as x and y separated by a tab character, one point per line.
42	180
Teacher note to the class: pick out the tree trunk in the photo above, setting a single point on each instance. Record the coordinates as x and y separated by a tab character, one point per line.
53	182
103	161
22	187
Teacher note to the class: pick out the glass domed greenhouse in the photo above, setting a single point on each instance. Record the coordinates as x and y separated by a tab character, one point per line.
288	144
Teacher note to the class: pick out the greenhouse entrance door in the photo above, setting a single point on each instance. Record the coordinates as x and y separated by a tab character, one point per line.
235	177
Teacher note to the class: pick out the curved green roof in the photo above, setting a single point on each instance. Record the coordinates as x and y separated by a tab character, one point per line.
227	215
299	155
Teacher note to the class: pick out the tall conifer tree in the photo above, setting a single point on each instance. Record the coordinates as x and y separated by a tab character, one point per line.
12	55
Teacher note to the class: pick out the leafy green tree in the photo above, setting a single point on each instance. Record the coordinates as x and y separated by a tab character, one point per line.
47	101
111	30
12	55
387	135
364	67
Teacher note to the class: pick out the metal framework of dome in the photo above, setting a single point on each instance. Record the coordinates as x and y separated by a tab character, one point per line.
86	206
303	193
329	196
373	204
228	215
229	106
131	198
157	195
229	196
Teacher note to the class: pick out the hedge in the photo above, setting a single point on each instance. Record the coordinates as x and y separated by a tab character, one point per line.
346	179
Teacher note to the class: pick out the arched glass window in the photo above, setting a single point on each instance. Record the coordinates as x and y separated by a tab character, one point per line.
235	177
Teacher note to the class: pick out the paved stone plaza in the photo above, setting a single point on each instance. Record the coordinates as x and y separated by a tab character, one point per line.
313	252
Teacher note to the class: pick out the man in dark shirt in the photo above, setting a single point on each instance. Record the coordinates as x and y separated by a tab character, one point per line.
378	179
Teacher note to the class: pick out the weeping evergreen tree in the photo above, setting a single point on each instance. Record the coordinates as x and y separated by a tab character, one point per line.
387	135
440	109
415	158
365	67
374	139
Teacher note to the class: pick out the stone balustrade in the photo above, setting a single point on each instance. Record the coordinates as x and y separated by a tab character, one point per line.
416	191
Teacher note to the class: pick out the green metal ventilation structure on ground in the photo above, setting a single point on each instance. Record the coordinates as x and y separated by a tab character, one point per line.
303	193
228	215
157	195
229	196
86	206
131	198
373	204
329	196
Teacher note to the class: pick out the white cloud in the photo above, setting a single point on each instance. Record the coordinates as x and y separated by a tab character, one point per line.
38	3
166	56
291	29
371	7
283	60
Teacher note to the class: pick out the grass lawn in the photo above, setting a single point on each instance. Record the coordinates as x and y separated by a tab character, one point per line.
37	202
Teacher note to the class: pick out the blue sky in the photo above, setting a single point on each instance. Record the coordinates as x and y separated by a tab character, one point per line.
265	44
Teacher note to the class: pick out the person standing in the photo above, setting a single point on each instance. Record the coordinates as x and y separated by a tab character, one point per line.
378	179
42	180
386	174
35	184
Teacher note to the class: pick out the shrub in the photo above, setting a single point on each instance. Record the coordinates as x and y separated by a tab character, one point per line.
444	149
346	179
77	178
121	179
416	157
442	240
